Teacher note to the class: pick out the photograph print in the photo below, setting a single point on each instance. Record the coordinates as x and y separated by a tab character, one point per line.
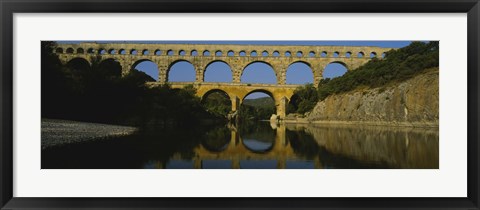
239	104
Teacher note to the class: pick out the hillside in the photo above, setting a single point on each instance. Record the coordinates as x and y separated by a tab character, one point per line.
411	102
260	102
398	66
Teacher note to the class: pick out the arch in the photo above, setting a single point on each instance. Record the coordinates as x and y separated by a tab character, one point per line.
335	69
90	51
218	53
59	50
360	55
384	55
194	53
218	71
288	54
373	55
230	53
122	52
242	53
265	53
253	53
206	53
248	110
182	53
148	67
299	72
217	102
181	71
78	64
259	72
80	51
110	68
145	52
260	90
102	51
276	53
336	54
348	54
324	54
299	54
215	90
169	52
111	51
69	50
133	52
157	52
311	54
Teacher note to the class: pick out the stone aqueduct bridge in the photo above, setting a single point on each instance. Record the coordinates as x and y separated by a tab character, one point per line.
237	57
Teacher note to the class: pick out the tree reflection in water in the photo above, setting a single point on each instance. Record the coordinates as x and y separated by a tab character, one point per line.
217	139
256	145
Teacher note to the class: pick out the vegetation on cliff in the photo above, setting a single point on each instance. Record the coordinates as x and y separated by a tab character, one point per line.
303	99
398	65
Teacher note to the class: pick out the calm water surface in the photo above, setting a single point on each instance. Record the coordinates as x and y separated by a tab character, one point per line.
259	145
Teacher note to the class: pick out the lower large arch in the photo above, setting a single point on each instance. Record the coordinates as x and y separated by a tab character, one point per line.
257	105
217	102
206	94
266	92
259	72
181	71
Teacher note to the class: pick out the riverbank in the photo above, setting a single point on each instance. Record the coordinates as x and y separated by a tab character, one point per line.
60	132
356	123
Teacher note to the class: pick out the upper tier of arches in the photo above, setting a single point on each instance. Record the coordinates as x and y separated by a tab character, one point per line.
224	50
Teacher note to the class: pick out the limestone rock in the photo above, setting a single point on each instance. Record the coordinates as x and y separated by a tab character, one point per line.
413	101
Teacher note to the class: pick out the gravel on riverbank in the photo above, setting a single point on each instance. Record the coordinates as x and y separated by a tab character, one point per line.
60	132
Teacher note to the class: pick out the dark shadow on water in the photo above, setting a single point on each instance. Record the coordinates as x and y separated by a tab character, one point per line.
255	145
217	140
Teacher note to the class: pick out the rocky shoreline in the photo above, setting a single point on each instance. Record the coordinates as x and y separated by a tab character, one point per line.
61	132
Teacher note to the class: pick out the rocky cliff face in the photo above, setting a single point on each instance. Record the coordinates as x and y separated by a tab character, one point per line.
412	102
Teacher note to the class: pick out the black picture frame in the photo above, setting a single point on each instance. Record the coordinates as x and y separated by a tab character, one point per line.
9	7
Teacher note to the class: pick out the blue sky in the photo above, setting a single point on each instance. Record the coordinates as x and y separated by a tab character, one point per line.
257	72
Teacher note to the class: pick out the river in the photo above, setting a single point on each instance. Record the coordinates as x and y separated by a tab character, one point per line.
255	145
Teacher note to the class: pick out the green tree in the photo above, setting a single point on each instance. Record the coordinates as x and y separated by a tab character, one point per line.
303	99
218	104
99	93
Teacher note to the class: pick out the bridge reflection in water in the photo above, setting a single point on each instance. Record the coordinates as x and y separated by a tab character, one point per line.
308	146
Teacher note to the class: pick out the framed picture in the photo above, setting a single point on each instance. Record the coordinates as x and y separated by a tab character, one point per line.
374	104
